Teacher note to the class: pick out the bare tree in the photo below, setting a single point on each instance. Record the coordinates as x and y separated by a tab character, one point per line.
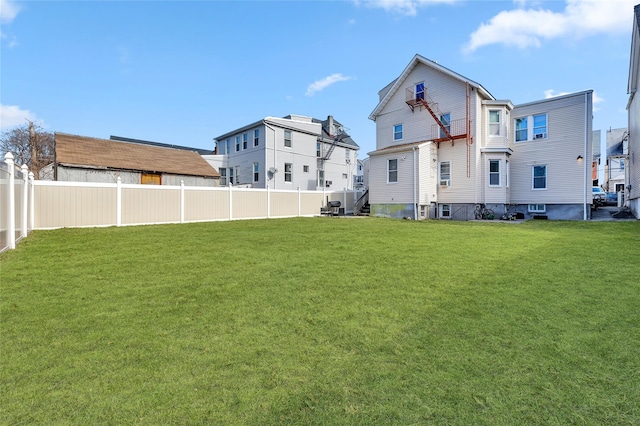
30	145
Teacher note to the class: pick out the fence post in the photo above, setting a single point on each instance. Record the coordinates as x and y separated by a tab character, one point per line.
11	228
32	200
230	202
298	201
268	202
25	199
119	202
182	201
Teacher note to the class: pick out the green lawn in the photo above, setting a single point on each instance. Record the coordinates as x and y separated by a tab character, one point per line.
323	321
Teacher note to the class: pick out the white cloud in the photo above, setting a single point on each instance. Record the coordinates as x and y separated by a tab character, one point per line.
524	28
401	7
8	11
325	82
12	116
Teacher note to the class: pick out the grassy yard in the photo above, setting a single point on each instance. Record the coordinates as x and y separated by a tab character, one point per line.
323	321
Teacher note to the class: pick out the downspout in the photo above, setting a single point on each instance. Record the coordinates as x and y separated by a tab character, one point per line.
415	186
275	164
586	140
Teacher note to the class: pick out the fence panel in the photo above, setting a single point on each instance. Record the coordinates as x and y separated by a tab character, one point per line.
147	204
206	204
250	203
284	203
65	204
311	202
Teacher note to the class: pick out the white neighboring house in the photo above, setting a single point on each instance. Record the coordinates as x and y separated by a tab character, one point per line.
287	153
444	144
632	194
615	165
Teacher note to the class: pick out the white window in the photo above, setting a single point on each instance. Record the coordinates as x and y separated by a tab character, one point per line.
494	122
230	175
397	132
420	90
321	178
305	169
237	175
494	172
244	141
522	132
445	173
445	211
223	176
288	172
227	146
237	143
445	119
287	138
537	208
392	170
540	126
256	172
318	149
347	156
539	177
256	137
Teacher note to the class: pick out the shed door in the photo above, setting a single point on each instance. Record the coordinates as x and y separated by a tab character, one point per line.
151	179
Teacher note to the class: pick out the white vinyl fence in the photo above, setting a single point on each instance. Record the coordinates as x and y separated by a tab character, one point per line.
14	203
34	204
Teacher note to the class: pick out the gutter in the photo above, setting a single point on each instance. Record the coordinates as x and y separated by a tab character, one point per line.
415	187
586	140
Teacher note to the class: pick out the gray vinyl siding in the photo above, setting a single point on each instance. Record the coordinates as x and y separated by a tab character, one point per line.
448	92
428	174
462	189
566	141
400	192
634	150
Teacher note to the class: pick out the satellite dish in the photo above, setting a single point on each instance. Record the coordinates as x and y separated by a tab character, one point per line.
271	173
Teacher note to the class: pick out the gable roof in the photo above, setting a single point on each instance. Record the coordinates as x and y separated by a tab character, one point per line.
200	151
418	59
82	151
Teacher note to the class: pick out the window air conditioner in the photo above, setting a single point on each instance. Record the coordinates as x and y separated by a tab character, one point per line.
540	136
444	182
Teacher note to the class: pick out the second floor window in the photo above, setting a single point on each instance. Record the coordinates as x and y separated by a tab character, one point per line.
397	132
318	149
237	143
288	172
244	141
287	138
227	146
445	173
540	126
256	137
494	122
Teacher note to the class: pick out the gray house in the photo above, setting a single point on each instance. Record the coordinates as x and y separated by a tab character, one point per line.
633	107
287	153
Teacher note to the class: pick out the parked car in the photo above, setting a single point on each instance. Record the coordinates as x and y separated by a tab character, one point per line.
599	196
612	198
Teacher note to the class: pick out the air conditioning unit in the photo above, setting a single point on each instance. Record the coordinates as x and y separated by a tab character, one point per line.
444	182
540	136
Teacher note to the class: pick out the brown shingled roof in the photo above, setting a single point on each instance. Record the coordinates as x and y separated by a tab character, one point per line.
72	150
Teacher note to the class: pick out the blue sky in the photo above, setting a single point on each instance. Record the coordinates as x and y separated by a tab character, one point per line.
185	72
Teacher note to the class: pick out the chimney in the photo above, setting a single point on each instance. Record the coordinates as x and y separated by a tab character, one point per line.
330	128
